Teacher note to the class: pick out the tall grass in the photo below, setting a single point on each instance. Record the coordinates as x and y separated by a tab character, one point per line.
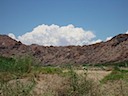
80	85
14	68
11	69
116	74
16	88
6	64
47	70
15	65
53	81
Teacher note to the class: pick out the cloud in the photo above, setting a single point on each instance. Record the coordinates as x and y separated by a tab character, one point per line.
12	36
96	41
108	38
56	35
127	32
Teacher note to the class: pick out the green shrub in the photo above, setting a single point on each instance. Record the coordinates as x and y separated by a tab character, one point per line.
114	64
81	86
116	74
15	65
6	64
23	65
17	88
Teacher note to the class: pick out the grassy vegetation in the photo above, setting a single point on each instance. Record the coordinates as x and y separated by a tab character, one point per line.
47	70
111	64
22	77
15	65
116	74
80	85
11	71
16	88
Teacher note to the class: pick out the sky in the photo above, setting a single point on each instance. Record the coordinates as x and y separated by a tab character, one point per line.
63	22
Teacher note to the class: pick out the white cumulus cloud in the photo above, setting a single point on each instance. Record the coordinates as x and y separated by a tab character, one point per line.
56	35
12	36
127	32
108	38
96	41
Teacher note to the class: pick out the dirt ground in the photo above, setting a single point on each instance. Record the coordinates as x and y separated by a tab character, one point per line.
96	75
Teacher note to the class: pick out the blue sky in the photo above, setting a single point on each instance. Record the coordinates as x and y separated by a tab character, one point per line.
104	17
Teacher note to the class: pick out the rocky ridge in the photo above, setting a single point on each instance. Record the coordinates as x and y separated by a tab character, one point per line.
114	50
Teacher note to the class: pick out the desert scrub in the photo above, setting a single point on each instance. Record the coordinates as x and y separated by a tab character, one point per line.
81	86
116	83
115	88
116	74
16	87
13	68
11	72
47	70
6	64
112	64
15	65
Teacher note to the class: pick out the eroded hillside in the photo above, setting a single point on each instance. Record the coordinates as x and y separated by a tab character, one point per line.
113	50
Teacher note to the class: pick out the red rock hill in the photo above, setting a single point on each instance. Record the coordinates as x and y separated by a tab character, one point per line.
114	50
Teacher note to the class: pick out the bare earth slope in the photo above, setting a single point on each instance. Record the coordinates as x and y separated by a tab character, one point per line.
113	50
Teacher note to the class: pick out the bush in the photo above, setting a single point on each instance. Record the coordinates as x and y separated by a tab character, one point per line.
6	64
15	65
16	88
14	68
81	86
116	74
23	65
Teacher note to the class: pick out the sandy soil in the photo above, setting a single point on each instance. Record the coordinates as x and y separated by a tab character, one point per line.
95	75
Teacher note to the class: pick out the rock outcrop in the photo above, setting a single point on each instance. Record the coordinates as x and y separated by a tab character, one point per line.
114	50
